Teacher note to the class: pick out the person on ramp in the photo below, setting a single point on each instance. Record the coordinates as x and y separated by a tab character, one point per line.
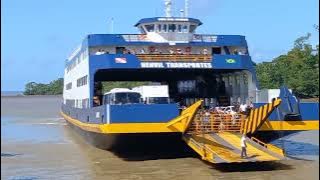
243	147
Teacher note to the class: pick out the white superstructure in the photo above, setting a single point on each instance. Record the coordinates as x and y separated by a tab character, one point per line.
76	91
266	95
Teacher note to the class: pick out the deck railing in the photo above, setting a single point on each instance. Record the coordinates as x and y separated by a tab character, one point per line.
216	122
144	38
271	147
175	57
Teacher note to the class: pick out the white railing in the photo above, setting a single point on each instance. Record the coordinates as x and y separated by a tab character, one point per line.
144	38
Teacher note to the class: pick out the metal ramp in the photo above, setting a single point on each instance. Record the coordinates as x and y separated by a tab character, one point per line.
216	136
224	147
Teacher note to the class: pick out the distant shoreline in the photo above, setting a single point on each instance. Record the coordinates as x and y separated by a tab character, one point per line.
20	95
311	100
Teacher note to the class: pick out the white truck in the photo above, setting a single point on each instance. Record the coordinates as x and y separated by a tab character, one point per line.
153	94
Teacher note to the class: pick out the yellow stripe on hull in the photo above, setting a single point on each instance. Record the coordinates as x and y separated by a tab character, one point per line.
178	124
121	127
164	128
290	125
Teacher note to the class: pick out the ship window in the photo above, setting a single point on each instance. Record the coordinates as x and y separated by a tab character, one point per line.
127	98
159	28
120	50
69	86
192	28
82	81
150	27
245	78
85	103
172	27
142	30
158	100
107	99
164	28
179	28
185	28
216	50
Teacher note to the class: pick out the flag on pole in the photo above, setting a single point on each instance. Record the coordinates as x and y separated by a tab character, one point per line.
121	60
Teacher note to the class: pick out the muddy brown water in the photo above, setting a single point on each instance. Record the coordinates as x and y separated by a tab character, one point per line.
36	143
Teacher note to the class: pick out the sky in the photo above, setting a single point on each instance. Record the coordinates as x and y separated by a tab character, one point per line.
37	36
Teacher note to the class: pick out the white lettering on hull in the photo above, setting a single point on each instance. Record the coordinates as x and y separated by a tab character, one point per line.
175	65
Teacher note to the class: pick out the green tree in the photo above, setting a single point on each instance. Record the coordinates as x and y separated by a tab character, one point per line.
298	69
53	88
107	86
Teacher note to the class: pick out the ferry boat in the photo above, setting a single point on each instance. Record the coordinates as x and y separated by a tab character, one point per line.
196	78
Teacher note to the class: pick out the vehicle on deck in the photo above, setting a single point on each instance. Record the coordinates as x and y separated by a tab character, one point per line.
153	94
120	96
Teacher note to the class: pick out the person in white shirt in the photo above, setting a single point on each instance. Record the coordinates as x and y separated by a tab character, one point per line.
243	108
206	119
243	146
142	51
205	51
100	52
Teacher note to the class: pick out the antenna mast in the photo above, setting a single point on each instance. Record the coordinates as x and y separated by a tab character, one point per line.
167	10
111	26
186	8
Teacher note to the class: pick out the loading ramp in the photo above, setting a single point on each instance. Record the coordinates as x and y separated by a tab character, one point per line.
216	137
224	147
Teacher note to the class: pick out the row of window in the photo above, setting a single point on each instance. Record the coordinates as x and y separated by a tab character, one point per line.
170	28
82	81
78	103
76	60
170	50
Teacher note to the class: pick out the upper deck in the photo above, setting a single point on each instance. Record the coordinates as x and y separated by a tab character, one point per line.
201	48
167	39
95	40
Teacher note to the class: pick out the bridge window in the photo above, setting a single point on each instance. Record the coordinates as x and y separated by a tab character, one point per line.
159	28
185	28
164	28
150	27
179	28
172	27
192	28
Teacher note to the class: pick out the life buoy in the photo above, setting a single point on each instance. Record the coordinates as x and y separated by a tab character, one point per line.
188	49
152	48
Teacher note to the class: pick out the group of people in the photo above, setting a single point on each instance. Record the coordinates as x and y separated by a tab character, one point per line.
154	50
173	51
205	114
244	108
222	119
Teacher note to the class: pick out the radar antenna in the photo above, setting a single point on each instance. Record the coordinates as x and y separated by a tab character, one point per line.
167	10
